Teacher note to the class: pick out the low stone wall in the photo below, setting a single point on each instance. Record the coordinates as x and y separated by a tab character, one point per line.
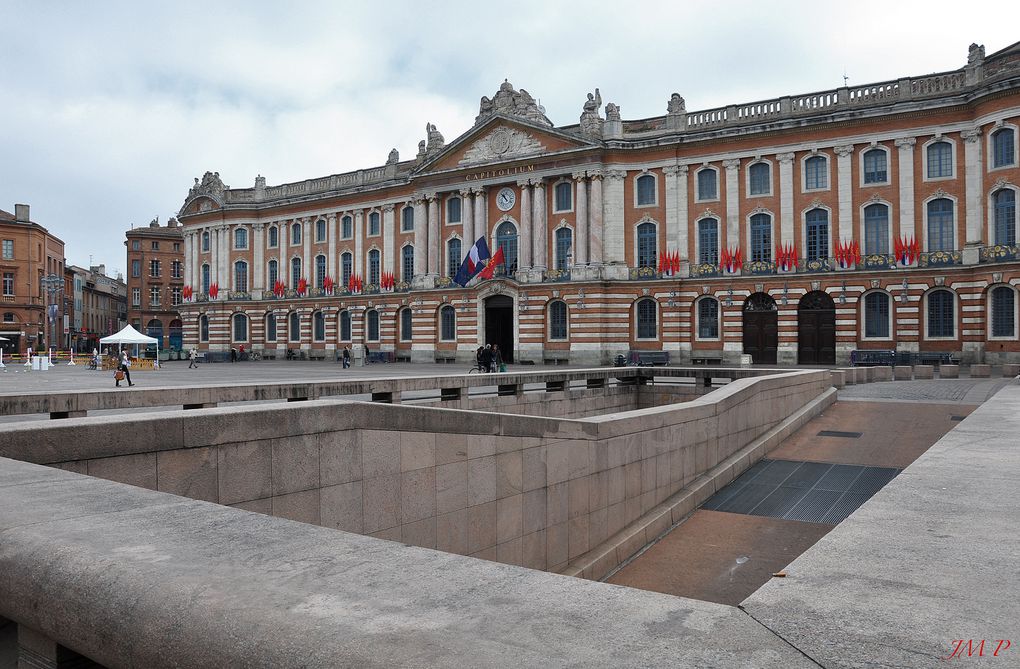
523	490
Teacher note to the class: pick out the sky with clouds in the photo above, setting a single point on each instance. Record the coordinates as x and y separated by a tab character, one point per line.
110	109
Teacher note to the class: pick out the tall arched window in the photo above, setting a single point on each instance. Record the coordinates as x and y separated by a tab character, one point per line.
295	272
270	327
406	324
1003	312
708	241
320	271
816	173
564	241
373	223
346	227
372	325
1004	203
558	320
274	237
407	263
876	228
240	238
294	327
647	319
647	245
1003	148
240	327
273	274
203	328
407	219
241	276
817	223
345	325
205	279
506	238
876	316
295	234
759	182
708	318
645	190
453	258
320	230
941	235
940	160
448	323
761	238
453	210
319	326
708	184
205	241
940	314
346	267
875	169
563	197
373	267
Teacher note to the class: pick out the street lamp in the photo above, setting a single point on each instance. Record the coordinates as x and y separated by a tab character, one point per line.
53	284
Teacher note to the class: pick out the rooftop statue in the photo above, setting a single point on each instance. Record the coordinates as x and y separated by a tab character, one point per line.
676	104
510	102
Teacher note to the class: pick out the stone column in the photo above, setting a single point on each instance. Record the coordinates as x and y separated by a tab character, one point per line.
389	238
581	220
786	235
226	243
307	271
732	203
214	255
331	245
433	235
595	231
974	170
283	241
906	169
359	243
845	192
421	239
467	221
258	259
481	215
191	262
539	228
613	225
524	255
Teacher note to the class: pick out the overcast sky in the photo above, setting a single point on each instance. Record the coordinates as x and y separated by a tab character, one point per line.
109	110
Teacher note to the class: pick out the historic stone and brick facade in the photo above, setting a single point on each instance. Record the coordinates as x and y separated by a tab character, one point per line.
793	230
32	270
155	281
99	306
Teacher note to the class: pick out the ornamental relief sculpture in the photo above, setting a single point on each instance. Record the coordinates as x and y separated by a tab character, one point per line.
501	143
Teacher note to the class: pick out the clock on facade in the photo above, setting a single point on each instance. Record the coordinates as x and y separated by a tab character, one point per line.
505	199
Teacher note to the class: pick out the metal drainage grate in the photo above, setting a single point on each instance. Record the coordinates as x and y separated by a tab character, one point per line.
814	492
837	433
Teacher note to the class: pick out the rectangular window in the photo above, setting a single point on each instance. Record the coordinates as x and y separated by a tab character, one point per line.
708	242
563	199
177	247
175	295
761	238
876	229
136	245
940	160
816	173
155	246
320	230
759	179
154	268
708	185
708	319
175	269
453	210
875	171
373	223
817	240
136	268
407	219
136	297
1002	312
876	315
8	283
346	227
154	296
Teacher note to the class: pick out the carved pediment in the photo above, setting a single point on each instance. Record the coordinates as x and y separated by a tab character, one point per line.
500	144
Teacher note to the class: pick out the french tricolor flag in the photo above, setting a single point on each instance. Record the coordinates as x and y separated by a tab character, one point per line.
473	263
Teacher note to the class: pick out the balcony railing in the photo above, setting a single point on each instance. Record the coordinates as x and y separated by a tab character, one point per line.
939	258
998	253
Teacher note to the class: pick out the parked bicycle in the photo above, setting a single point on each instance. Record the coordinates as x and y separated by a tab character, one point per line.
254	355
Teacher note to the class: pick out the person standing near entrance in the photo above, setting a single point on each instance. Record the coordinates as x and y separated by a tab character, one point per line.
497	359
124	366
487	358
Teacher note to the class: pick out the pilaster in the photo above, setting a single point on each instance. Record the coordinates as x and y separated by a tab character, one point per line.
581	220
785	197
331	245
974	170
845	191
467	220
540	226
421	233
732	202
258	258
613	222
307	271
359	243
524	259
481	215
389	238
906	175
595	223
433	234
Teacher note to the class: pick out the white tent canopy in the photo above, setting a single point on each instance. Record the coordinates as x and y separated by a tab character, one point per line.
128	335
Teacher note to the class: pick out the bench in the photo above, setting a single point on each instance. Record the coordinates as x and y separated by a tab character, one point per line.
555	360
443	357
859	358
872	358
702	360
935	358
649	358
379	356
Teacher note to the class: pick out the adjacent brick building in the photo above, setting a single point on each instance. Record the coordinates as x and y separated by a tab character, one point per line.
32	271
155	281
795	229
99	307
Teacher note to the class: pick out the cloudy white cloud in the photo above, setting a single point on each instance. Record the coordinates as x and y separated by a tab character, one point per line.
110	108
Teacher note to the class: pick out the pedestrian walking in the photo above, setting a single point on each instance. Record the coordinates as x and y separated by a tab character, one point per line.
487	358
347	357
233	354
192	357
123	370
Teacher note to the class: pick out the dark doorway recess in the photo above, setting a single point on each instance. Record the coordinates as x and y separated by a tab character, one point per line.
761	329
499	325
816	329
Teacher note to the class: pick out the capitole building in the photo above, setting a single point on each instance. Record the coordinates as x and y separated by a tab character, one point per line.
792	230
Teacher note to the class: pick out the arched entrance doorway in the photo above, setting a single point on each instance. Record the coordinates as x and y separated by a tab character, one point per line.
154	328
816	329
761	329
499	324
176	334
